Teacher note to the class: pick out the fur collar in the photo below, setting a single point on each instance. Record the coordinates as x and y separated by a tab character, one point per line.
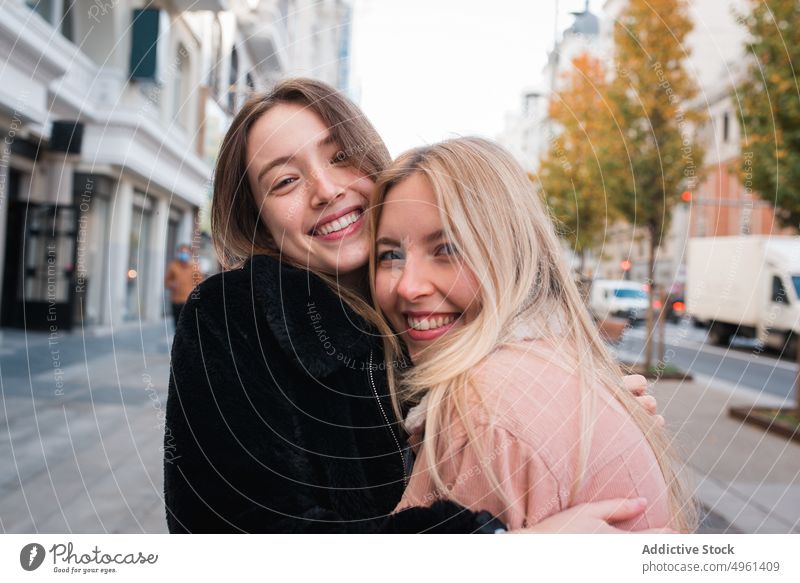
312	324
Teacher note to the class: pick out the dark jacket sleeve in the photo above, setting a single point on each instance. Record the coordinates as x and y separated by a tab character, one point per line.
232	457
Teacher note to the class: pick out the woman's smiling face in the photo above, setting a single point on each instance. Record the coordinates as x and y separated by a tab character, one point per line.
312	199
421	283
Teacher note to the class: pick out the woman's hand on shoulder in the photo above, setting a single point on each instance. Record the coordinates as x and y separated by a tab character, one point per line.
637	385
594	518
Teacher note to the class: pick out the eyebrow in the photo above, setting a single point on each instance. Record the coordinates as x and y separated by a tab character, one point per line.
430	238
387	241
435	236
326	141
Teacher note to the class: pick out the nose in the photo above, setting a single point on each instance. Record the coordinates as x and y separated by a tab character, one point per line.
414	282
324	188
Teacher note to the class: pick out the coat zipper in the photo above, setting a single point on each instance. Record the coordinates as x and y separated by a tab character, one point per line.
386	419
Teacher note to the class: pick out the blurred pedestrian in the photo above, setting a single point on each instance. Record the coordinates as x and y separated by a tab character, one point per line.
181	277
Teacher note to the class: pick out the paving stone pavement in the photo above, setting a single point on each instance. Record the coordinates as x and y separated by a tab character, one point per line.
744	476
81	426
81	429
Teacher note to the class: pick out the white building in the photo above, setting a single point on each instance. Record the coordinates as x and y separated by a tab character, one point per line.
528	132
319	40
112	113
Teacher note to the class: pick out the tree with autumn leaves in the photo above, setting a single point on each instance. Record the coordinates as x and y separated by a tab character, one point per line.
639	126
653	93
583	161
769	98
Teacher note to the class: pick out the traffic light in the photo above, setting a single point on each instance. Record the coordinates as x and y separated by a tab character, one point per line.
686	196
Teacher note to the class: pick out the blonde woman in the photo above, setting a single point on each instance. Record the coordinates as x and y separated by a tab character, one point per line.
516	408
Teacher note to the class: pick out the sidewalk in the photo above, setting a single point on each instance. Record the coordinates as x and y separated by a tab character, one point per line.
744	476
81	430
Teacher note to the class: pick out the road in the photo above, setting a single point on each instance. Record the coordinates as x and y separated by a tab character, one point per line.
742	364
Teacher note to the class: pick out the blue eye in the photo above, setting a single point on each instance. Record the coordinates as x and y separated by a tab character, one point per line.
389	255
447	249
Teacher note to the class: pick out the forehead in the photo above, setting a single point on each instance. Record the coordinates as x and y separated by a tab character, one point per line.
285	129
410	206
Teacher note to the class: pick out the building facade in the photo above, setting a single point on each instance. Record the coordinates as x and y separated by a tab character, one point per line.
112	114
720	203
527	133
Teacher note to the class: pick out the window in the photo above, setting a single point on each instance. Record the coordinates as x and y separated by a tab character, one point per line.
630	293
233	78
42	7
778	291
56	12
216	52
181	87
726	127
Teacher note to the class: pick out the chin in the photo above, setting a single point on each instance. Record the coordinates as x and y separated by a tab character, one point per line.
350	260
343	269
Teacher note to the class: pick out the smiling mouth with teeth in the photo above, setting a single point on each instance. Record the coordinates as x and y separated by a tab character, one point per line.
338	224
422	324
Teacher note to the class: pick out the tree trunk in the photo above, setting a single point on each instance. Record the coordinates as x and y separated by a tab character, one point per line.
651	268
662	328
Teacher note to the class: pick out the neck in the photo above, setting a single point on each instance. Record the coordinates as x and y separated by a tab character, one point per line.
355	281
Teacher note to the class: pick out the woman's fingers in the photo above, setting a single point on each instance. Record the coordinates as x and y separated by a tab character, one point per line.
595	517
616	510
591	517
635	383
648	403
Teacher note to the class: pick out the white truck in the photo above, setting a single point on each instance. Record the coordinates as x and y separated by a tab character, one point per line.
746	286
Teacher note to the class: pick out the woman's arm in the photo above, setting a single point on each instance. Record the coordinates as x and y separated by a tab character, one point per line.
233	461
595	518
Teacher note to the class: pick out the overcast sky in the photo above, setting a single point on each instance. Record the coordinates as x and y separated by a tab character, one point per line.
424	70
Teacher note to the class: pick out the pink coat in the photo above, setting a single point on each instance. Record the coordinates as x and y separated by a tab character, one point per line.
532	416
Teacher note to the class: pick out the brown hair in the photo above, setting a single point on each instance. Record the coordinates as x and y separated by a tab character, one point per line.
237	229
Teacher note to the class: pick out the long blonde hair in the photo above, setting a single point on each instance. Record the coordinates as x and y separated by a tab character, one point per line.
504	234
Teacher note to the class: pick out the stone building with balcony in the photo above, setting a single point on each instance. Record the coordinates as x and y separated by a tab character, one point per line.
111	115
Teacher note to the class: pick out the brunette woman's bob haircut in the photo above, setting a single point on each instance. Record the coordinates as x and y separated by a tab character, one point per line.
236	225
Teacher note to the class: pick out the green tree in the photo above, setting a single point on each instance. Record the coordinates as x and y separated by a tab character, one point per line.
583	157
770	110
770	106
652	92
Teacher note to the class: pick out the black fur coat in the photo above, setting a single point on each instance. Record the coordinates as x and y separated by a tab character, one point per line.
273	424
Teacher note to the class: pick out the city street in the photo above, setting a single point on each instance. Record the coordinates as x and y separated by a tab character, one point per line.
742	366
82	430
82	426
747	478
315	175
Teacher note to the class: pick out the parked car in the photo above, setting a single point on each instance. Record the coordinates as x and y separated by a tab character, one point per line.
618	298
676	308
